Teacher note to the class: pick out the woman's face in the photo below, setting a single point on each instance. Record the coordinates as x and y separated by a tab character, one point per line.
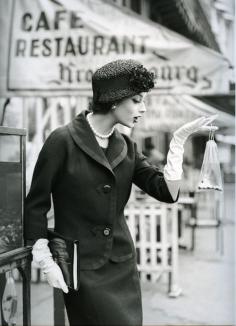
130	110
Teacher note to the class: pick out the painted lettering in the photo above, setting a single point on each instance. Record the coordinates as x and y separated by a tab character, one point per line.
43	22
65	73
76	21
26	22
192	74
113	46
59	20
180	70
128	44
88	76
166	73
46	51
83	45
20	48
59	17
69	48
58	41
34	48
143	43
98	44
208	83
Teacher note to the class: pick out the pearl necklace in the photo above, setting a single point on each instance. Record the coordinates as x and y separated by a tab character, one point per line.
97	134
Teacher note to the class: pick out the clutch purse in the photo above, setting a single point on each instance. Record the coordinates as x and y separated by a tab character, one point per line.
65	253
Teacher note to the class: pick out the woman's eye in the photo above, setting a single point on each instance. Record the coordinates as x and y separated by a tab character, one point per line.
136	101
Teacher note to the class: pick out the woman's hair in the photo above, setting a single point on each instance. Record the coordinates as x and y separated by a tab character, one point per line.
101	108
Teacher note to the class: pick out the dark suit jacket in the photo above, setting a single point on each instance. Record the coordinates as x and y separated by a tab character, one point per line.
89	191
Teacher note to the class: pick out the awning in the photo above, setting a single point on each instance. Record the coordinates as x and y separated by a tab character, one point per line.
53	47
183	16
230	140
169	112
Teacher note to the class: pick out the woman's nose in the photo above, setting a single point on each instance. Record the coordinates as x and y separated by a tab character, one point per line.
142	108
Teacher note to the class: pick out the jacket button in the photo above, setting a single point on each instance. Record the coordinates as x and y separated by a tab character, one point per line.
106	188
106	231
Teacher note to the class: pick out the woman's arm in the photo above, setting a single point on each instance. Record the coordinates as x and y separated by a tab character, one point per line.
46	173
38	202
165	186
151	179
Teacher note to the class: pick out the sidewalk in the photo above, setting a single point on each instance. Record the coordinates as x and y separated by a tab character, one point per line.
207	279
207	282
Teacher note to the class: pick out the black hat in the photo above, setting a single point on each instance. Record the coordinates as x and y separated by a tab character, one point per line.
119	79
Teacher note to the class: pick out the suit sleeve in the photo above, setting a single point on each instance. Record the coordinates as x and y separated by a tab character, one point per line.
151	180
46	173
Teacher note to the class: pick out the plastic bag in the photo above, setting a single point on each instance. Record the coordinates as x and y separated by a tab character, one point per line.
210	176
9	300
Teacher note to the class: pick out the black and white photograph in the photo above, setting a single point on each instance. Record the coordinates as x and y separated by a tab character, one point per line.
117	163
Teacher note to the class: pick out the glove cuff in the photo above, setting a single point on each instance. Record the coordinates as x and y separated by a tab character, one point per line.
42	255
40	244
173	168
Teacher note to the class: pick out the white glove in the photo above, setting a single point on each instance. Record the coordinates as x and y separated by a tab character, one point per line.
173	168
42	256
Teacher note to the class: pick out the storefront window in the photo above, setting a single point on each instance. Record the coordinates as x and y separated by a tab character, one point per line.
9	148
11	193
126	3
136	6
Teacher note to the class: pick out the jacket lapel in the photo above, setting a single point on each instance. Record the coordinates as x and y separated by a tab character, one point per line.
85	139
117	149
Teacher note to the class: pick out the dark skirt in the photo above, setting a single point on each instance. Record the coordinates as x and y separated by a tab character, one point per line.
110	295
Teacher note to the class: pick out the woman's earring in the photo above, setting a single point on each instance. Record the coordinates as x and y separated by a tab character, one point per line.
113	107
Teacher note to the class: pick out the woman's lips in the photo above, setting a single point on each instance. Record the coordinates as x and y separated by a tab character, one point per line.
135	119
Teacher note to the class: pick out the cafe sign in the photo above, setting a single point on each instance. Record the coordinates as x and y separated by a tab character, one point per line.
54	46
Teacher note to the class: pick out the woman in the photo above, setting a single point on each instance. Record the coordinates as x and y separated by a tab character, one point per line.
88	166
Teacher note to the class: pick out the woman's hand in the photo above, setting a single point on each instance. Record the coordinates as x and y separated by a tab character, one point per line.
42	256
173	168
187	129
55	278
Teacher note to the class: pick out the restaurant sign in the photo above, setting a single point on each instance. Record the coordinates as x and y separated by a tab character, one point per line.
55	46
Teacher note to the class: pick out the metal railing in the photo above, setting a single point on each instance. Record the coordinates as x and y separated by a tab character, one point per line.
21	259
